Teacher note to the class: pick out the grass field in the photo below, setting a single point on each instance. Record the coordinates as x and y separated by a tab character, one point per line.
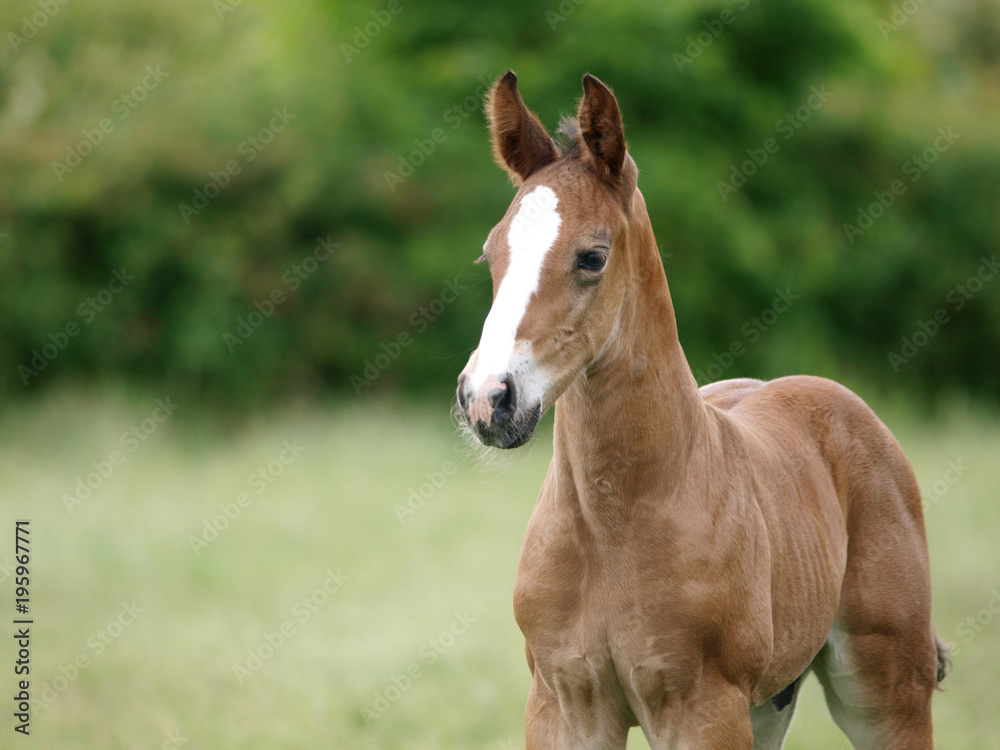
257	585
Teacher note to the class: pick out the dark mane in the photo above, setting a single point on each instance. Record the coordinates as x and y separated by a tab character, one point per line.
567	136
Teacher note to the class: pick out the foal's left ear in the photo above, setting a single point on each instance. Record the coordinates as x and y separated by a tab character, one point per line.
521	144
604	134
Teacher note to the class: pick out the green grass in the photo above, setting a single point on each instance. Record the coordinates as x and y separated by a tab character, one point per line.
172	669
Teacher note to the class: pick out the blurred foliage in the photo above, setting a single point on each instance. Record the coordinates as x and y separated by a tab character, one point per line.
395	87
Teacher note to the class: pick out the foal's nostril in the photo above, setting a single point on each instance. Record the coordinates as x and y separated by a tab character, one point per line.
503	399
496	396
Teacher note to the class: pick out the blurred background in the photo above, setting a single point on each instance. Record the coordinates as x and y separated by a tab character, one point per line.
236	245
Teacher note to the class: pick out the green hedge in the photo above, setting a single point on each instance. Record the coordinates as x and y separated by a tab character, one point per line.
253	200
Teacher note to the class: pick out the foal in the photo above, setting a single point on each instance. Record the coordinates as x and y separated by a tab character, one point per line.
693	554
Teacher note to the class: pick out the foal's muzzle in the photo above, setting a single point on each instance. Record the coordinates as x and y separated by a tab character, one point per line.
493	411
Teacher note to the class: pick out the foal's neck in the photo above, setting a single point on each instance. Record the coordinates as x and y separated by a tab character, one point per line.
625	426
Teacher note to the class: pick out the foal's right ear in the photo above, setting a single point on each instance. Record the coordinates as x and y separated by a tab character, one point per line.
601	128
521	145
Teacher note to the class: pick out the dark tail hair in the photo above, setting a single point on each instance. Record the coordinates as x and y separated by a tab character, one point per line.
943	660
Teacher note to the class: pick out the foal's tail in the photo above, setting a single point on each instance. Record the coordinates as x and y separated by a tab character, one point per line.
943	660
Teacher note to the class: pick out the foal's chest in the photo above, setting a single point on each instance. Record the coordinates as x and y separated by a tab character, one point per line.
603	622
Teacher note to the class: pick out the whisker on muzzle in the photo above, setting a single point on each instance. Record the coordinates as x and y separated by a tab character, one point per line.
484	458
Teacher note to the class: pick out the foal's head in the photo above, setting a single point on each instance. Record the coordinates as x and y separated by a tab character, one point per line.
560	273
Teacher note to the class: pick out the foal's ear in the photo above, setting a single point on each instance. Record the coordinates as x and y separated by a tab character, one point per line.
521	144
602	130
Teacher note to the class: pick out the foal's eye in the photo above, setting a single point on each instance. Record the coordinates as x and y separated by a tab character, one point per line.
592	260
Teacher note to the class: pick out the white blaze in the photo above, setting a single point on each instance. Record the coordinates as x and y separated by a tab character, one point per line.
532	233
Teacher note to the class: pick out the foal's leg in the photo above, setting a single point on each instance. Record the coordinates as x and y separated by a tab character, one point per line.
715	716
571	720
878	688
772	718
879	667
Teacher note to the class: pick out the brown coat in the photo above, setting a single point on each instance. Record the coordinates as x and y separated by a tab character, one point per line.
693	553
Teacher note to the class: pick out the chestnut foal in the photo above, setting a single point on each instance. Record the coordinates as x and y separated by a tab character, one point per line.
693	554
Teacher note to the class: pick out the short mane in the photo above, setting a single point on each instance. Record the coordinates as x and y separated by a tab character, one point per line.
567	138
